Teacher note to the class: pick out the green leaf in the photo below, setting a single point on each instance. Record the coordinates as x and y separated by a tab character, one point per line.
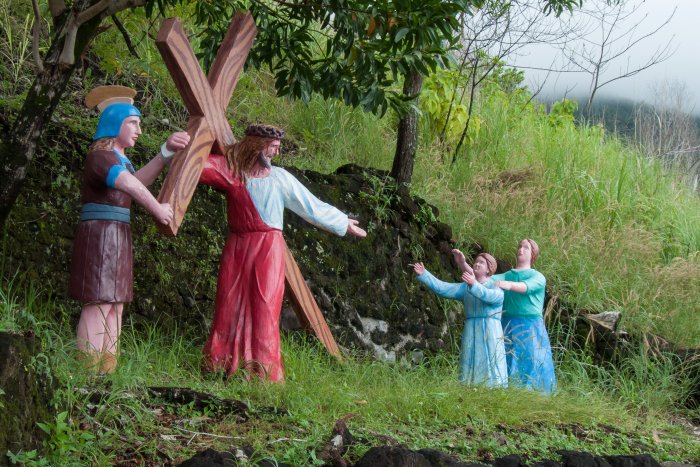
400	34
44	427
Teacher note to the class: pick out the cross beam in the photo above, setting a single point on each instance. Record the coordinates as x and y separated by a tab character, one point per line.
206	99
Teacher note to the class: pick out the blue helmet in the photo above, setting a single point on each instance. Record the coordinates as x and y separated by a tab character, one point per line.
111	120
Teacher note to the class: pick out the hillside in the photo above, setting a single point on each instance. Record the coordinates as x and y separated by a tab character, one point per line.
618	232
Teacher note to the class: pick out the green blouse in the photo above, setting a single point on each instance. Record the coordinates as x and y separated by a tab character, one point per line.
530	303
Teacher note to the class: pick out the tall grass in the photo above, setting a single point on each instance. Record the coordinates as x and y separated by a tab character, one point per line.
421	406
617	230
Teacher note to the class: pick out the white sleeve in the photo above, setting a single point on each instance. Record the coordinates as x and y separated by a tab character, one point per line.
314	211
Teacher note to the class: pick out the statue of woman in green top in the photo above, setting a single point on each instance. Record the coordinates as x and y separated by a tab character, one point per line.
528	351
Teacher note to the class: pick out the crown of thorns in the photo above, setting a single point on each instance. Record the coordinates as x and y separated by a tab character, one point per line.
264	131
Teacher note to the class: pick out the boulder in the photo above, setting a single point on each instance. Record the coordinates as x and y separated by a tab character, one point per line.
366	288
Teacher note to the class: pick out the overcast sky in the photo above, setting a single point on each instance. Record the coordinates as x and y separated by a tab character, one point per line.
683	66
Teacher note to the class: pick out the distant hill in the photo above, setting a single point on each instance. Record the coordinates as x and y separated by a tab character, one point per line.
617	115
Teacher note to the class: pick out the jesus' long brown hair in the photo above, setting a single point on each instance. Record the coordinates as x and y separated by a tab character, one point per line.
241	156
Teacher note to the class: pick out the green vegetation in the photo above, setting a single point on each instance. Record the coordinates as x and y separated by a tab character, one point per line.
617	231
602	410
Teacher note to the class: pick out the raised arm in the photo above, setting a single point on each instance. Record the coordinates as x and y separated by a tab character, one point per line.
443	289
461	261
149	172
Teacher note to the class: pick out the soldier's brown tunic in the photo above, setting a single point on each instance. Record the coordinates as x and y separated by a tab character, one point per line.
101	265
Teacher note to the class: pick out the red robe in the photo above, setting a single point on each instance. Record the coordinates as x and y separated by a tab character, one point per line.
245	331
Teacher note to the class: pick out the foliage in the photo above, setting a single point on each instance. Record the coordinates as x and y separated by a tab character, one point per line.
417	405
504	78
443	96
15	48
586	196
64	440
617	232
350	50
438	105
382	196
562	112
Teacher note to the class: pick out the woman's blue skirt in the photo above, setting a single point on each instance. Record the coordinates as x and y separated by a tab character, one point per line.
483	358
528	353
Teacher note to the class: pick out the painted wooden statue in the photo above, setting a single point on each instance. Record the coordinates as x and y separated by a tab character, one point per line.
245	331
528	350
482	353
101	265
206	98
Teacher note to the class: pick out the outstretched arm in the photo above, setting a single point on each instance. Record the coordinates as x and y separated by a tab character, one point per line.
354	229
131	185
418	268
443	289
534	284
314	211
519	287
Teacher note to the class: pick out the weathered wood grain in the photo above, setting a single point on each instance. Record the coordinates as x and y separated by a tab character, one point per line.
188	165
206	99
305	306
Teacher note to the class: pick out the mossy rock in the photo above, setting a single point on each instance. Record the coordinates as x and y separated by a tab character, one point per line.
366	288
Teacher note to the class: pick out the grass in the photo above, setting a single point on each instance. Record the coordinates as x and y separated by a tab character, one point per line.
616	230
599	409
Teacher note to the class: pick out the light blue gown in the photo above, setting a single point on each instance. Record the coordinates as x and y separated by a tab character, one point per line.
528	351
482	358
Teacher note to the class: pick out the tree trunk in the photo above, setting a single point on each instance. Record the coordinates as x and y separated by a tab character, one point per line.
407	134
18	148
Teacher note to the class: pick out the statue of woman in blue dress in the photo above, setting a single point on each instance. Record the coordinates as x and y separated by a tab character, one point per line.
528	350
482	358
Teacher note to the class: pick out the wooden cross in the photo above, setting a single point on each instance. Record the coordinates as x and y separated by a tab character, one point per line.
206	99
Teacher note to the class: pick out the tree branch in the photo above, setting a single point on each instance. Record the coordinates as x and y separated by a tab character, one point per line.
67	56
107	8
36	31
125	35
57	8
100	10
88	14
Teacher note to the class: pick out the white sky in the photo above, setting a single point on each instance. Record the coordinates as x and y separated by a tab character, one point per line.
682	67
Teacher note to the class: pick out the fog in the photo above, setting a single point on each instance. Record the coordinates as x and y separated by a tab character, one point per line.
682	68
